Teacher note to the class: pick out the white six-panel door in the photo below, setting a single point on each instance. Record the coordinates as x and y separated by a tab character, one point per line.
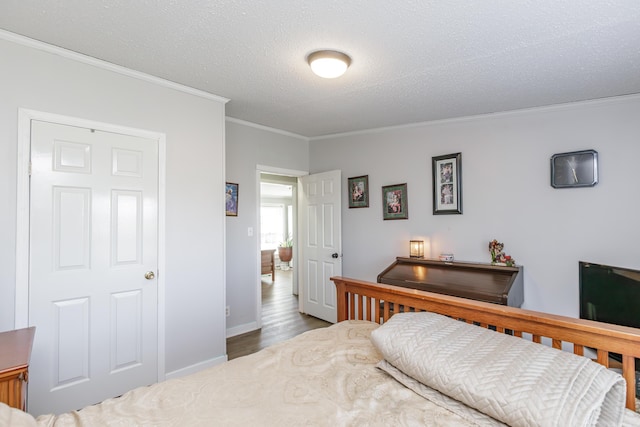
321	241
93	238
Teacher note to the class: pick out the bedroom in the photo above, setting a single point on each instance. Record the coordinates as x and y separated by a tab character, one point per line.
546	230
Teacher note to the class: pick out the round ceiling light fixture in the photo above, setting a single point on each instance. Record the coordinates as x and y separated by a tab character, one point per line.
328	63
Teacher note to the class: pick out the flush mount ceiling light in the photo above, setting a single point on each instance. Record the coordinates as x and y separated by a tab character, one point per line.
329	63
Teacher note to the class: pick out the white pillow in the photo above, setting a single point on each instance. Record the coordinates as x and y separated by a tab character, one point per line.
510	379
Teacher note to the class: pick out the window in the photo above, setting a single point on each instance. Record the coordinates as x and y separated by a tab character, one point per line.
272	221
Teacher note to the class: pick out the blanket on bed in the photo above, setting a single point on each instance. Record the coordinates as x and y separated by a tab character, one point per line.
324	377
510	379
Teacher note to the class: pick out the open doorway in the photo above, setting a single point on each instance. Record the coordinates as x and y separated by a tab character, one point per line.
278	197
279	315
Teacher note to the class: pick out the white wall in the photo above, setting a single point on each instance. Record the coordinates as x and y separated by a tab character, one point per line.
194	126
506	193
247	147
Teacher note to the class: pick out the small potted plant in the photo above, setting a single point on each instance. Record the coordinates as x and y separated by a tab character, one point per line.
285	250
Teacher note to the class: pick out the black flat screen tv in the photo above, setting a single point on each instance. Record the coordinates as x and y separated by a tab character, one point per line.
610	294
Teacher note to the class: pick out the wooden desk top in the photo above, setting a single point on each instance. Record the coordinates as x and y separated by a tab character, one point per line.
15	349
478	281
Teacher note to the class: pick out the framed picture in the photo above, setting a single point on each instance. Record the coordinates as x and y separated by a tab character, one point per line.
394	202
231	199
447	184
358	188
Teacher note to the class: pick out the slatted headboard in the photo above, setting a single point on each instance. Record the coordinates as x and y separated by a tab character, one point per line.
376	302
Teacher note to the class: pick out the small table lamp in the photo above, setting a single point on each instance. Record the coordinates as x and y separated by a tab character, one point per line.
416	248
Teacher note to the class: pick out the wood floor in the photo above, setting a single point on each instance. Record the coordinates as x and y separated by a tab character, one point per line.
280	318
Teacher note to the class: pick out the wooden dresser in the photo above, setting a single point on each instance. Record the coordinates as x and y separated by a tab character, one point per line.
15	353
481	282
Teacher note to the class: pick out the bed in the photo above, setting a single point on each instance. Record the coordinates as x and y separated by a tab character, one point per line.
385	362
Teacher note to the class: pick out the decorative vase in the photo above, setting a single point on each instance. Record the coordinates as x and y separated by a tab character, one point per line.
285	253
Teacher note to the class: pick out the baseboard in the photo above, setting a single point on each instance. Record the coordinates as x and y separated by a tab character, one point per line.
196	368
242	329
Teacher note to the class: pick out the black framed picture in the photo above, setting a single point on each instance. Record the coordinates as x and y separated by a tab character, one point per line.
358	188
394	202
447	184
231	199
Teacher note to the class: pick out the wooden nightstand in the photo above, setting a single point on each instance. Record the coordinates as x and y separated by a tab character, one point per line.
15	352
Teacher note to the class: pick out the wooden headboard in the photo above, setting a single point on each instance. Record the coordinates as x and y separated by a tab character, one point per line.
361	300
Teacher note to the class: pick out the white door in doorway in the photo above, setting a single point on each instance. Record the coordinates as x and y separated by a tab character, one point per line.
93	257
321	242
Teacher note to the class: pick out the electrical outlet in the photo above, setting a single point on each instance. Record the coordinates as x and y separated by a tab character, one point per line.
227	311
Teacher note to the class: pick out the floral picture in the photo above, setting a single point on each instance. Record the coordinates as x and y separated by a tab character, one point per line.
358	191
447	184
394	202
231	199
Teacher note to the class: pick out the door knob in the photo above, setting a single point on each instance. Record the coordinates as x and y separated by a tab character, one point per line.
334	255
149	275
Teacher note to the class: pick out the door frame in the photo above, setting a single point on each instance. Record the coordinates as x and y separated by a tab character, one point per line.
276	171
25	116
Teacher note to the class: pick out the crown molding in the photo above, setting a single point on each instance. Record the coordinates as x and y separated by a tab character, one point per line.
99	63
499	114
266	128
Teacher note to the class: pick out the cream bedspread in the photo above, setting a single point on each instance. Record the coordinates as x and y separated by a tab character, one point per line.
510	379
325	377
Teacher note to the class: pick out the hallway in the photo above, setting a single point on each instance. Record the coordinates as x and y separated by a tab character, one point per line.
280	318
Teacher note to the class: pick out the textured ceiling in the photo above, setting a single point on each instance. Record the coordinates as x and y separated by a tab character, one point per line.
413	60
